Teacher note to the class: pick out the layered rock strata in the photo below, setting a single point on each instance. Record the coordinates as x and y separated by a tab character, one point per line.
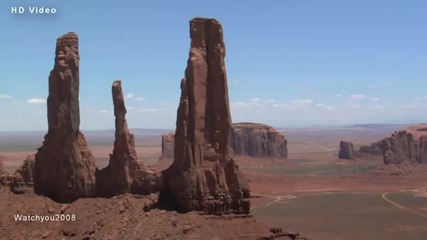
346	150
64	166
203	175
257	140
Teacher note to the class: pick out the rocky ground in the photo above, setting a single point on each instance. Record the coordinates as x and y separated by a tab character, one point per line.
121	217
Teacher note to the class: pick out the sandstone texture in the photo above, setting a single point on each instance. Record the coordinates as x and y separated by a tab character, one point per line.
406	145
124	172
1	166
168	142
64	166
118	176
346	150
257	140
204	176
374	149
26	171
246	139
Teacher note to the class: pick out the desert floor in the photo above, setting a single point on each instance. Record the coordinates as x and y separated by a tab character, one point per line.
312	192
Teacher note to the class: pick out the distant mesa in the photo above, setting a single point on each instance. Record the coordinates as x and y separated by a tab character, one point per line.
1	166
245	139
346	150
408	145
26	171
168	143
258	140
374	149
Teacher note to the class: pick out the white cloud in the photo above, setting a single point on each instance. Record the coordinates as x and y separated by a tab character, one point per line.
373	87
140	99
104	111
130	108
324	106
375	99
36	100
235	82
254	100
282	105
338	95
353	106
376	107
5	96
130	96
420	98
271	101
247	104
302	102
166	104
406	106
357	96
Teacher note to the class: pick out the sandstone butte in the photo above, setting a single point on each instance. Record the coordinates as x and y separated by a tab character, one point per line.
245	139
346	150
203	175
64	167
409	145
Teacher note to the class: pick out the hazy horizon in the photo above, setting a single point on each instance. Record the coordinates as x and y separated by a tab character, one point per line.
289	63
300	127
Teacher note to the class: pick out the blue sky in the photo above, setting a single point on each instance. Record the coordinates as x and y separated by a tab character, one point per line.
289	62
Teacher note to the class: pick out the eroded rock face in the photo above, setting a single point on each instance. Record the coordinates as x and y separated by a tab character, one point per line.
246	139
1	167
257	140
124	172
168	142
203	175
64	165
405	146
118	176
374	149
346	150
422	154
26	171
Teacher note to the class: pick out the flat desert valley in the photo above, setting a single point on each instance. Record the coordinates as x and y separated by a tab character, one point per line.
311	192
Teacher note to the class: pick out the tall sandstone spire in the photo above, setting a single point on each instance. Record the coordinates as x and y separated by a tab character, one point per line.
203	175
118	176
64	165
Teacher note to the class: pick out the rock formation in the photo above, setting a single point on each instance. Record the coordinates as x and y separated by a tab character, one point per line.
406	145
247	139
118	176
1	167
64	165
168	142
374	149
26	171
257	140
203	175
124	172
346	150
